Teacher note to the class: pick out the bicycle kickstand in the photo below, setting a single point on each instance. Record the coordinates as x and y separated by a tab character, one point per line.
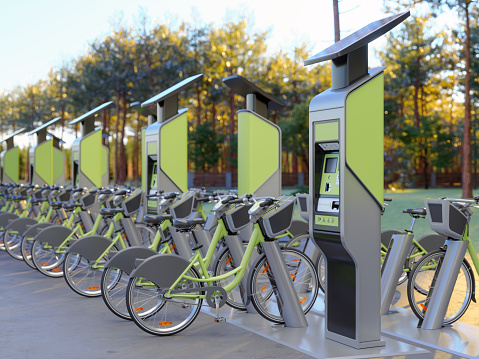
218	319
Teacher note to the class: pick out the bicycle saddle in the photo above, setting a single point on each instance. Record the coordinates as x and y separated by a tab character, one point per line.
416	211
184	223
156	219
110	211
70	206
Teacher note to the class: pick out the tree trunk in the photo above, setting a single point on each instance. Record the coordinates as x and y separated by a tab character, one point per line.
466	143
337	33
122	176
136	150
232	130
117	130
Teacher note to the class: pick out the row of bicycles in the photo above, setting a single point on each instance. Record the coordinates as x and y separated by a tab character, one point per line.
156	269
159	270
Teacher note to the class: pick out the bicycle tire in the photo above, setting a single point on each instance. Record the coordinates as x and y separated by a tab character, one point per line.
156	315
300	243
26	251
430	242
147	234
224	263
420	281
46	260
81	277
13	244
264	292
114	283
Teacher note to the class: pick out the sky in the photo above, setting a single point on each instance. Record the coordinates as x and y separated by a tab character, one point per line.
40	34
37	35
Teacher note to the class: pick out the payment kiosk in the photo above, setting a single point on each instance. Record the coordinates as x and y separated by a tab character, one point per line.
165	143
10	159
346	185
89	155
47	161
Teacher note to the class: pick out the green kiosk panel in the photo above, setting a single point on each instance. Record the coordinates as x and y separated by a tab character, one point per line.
89	155
10	159
47	161
346	185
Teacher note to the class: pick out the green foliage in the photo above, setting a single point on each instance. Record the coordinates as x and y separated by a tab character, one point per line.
296	131
205	147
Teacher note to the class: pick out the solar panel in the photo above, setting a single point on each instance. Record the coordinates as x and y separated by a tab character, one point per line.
174	90
244	87
13	135
45	125
358	39
91	113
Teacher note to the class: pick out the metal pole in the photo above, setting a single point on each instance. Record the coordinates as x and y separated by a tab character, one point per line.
290	308
393	267
236	248
446	279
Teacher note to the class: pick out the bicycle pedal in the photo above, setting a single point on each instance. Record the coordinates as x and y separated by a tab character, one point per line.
220	319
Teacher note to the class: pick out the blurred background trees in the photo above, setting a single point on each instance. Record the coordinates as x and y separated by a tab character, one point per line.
431	74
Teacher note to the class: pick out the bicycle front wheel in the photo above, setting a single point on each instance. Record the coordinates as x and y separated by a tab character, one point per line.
420	282
114	282
82	275
300	243
13	241
223	265
156	314
47	260
264	293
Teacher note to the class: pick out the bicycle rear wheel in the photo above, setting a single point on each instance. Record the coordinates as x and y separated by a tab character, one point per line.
157	315
420	281
264	293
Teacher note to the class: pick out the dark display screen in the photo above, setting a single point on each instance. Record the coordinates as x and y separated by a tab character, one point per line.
330	166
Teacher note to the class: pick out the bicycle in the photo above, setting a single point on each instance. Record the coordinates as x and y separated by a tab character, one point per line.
424	274
165	292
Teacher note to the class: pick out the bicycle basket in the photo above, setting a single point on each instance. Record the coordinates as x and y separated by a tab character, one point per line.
237	217
184	206
87	200
132	204
278	218
303	200
445	218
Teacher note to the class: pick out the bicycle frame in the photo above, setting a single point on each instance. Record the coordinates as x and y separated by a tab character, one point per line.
256	238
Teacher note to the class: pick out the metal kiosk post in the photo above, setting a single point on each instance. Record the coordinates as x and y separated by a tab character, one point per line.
259	172
166	143
10	160
89	156
346	185
165	150
47	161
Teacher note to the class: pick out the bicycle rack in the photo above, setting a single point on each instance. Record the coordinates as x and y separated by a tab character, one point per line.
291	310
392	268
438	297
236	247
